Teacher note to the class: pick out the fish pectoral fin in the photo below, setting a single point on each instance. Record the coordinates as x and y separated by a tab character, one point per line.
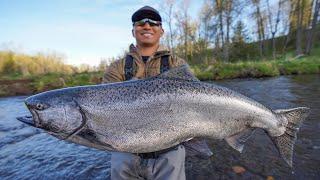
237	140
233	142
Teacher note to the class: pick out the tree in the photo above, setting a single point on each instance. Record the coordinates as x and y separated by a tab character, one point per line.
299	11
312	30
224	10
228	11
240	48
288	24
219	13
260	25
206	30
184	28
167	8
299	21
274	26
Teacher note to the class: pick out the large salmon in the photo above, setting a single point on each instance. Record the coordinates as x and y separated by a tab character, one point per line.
157	113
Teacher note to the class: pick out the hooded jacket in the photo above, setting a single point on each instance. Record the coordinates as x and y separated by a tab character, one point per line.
115	72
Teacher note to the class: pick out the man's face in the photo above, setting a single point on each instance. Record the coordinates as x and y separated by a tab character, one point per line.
147	35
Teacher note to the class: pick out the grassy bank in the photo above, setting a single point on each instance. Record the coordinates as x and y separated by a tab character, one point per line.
54	81
256	69
286	64
12	85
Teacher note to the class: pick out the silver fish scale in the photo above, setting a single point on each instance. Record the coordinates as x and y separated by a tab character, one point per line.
154	114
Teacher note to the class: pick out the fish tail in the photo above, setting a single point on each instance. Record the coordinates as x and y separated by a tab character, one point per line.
285	142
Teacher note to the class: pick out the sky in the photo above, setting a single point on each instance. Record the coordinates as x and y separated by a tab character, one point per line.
84	31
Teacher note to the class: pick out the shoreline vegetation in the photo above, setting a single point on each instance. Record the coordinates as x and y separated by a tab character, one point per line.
258	69
19	84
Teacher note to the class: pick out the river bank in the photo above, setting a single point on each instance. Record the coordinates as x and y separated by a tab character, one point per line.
15	85
258	69
41	83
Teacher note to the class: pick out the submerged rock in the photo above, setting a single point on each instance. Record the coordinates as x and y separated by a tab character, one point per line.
238	169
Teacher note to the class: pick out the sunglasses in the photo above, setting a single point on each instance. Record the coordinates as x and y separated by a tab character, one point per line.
151	22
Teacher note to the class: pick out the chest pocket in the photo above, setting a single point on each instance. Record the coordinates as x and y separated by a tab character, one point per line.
128	67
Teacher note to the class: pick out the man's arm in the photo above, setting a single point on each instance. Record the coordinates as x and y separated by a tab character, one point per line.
114	72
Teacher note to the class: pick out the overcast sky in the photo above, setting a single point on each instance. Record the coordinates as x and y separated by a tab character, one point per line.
83	30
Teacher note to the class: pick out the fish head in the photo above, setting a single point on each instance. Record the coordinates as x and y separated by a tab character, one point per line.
56	112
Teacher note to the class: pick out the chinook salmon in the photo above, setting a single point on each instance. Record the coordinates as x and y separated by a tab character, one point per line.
157	113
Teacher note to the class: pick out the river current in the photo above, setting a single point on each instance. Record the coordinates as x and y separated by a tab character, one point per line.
30	153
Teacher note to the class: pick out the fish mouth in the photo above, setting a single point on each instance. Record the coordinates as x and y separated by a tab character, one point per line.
27	119
30	120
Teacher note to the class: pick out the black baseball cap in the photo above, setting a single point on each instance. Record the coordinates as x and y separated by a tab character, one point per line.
146	12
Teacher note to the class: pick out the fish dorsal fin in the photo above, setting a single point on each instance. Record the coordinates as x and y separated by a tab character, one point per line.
182	72
237	140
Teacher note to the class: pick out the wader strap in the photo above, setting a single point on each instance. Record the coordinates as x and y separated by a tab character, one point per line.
128	67
164	66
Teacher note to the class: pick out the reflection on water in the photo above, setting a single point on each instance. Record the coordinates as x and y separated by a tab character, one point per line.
29	153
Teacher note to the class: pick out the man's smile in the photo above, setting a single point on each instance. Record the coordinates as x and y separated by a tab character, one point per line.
147	34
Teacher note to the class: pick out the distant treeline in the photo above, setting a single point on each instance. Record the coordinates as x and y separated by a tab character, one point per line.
12	63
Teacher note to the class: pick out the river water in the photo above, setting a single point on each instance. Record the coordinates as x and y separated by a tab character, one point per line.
30	153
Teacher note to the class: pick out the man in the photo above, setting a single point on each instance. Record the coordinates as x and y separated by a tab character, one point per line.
147	59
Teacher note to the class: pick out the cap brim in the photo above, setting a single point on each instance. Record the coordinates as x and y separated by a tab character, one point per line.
142	14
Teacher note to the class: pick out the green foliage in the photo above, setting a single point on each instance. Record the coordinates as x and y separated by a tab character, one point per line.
48	81
81	79
55	81
206	74
267	69
306	65
9	66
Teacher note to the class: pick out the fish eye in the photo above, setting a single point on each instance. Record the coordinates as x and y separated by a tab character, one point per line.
40	106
